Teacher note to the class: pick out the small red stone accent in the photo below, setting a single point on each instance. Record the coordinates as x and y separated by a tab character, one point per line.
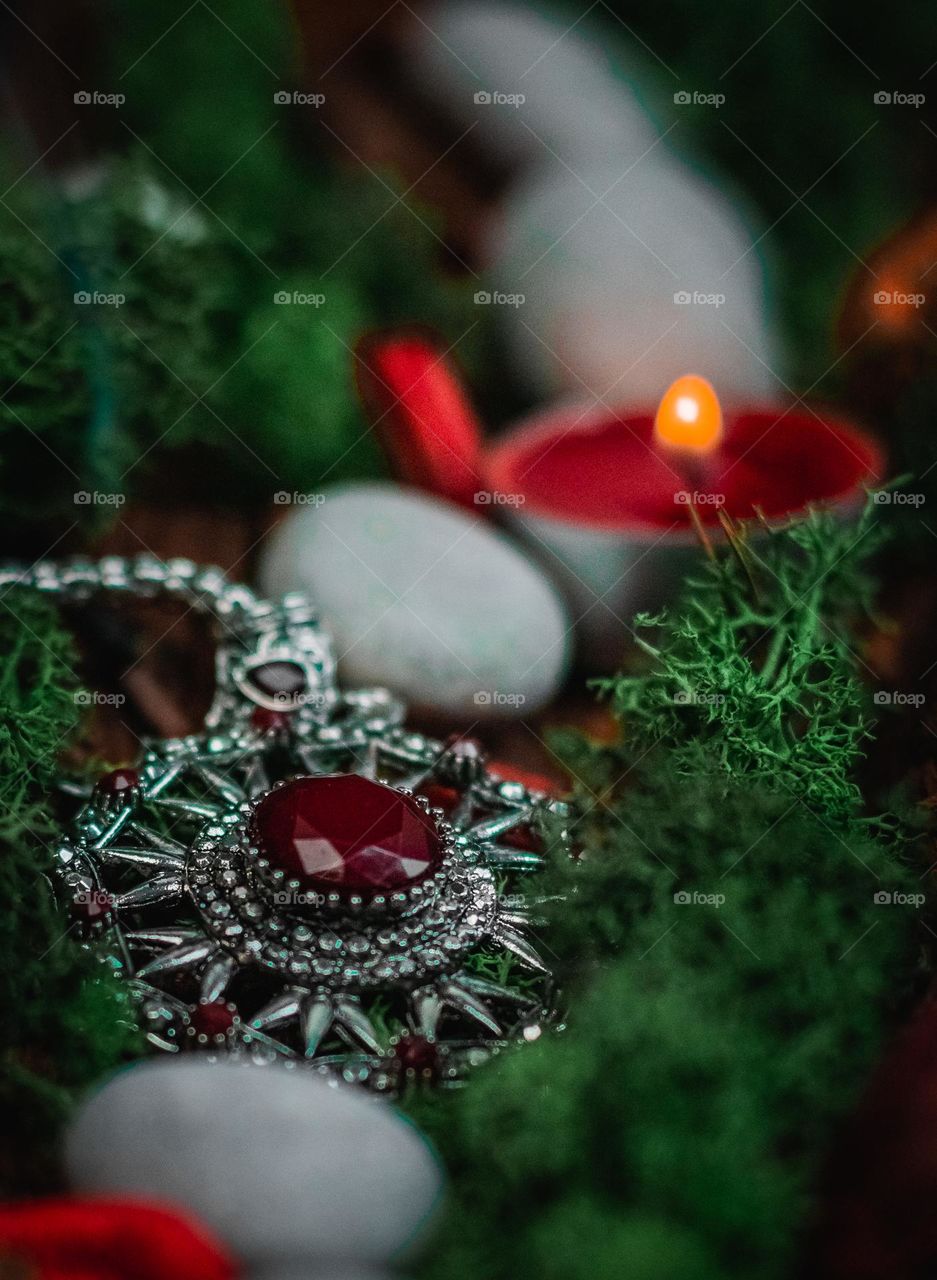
92	906
525	838
117	782
417	1055
212	1019
266	721
341	833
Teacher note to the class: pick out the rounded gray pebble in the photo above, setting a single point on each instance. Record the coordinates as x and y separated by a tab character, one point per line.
280	1165
424	598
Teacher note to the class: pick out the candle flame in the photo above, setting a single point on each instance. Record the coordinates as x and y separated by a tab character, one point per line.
689	415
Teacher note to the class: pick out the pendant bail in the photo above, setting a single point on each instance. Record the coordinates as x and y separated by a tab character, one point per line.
277	658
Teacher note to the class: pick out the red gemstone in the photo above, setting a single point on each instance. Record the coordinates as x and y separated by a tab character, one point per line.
118	781
266	721
341	833
212	1019
523	837
416	1054
92	906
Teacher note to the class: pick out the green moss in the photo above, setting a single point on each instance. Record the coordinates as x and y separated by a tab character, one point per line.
712	1043
200	373
46	392
65	1018
728	962
754	671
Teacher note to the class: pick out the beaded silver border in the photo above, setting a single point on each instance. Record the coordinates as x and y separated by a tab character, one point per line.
406	937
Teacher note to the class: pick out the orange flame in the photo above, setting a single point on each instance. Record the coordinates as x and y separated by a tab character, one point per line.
689	415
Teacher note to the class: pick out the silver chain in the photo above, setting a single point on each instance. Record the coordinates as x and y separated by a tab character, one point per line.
251	633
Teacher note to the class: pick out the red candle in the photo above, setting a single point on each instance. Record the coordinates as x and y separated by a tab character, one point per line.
603	494
630	469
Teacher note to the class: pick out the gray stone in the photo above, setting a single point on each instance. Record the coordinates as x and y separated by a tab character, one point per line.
425	599
283	1167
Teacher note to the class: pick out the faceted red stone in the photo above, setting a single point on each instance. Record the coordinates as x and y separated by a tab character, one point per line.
525	838
92	906
416	1054
117	782
266	721
341	833
213	1018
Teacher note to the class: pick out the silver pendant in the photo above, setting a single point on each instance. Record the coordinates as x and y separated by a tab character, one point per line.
308	880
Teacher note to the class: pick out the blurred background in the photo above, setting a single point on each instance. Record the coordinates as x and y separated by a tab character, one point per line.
206	210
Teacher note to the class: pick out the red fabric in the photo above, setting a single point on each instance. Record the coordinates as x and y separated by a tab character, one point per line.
422	415
447	797
72	1239
532	781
